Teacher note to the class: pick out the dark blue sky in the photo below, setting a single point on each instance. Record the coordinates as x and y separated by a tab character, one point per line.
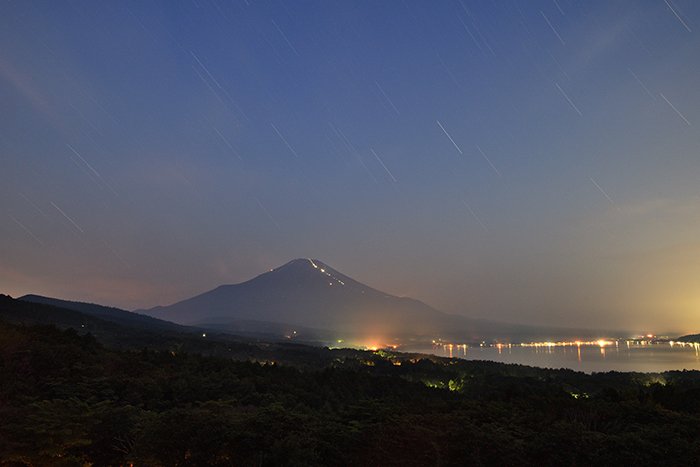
523	161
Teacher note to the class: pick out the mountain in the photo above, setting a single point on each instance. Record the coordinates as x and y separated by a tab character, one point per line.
307	292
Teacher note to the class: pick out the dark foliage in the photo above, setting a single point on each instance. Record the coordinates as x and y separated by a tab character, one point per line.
66	399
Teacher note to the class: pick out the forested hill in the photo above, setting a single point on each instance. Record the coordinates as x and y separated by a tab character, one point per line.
116	315
136	334
65	399
689	338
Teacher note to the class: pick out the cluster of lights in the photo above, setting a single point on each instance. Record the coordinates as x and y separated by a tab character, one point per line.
374	347
693	345
599	343
499	345
685	344
457	350
602	343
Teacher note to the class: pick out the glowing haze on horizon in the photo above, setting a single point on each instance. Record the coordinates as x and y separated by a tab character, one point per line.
527	162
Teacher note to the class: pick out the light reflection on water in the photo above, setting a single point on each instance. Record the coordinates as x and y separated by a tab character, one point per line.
643	358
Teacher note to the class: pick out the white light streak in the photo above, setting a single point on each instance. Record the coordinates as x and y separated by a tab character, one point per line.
29	232
448	135
559	8
552	28
471	211
84	161
351	150
208	85
675	110
642	84
489	161
228	96
284	139
267	213
603	192
206	70
677	16
385	167
568	99
466	28
285	37
387	99
67	217
226	141
32	204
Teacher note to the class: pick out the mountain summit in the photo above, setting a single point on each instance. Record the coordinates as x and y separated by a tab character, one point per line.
308	292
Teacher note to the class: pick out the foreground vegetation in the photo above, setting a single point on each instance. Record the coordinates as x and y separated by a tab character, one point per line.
66	399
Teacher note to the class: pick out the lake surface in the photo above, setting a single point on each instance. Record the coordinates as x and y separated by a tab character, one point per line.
587	358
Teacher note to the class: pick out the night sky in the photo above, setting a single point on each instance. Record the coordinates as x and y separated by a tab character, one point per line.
533	162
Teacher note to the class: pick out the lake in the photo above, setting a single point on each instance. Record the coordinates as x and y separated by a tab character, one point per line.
620	356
